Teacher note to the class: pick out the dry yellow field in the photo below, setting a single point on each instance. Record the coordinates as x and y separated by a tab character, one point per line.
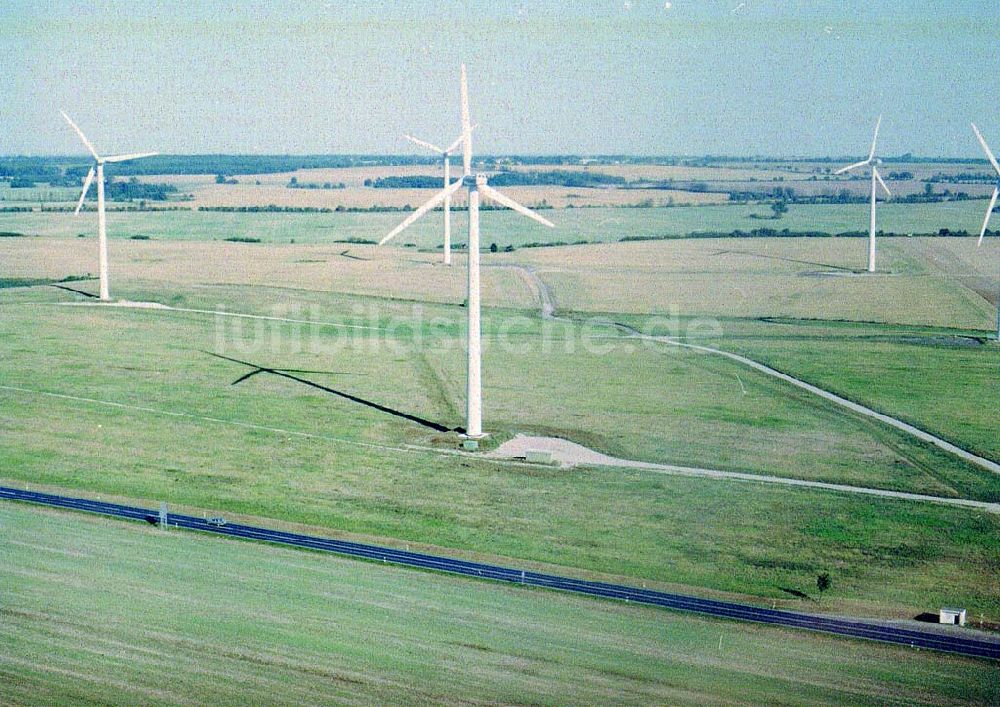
265	189
658	172
776	277
387	272
934	281
247	193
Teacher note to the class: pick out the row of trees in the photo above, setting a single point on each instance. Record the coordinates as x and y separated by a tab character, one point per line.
294	183
509	178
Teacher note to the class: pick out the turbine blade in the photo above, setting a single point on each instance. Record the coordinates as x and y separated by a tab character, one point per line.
83	194
466	128
989	212
986	149
875	138
423	143
458	140
82	136
852	166
496	196
430	204
878	178
133	156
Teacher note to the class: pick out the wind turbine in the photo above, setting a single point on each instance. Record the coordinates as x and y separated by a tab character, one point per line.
476	184
102	236
989	209
446	156
876	177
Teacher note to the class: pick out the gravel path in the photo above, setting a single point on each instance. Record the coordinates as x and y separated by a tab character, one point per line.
568	454
214	312
548	312
920	434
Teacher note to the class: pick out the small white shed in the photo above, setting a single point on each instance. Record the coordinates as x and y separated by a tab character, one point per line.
949	615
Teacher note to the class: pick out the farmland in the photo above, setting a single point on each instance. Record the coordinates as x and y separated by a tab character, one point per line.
350	473
591	225
499	353
87	596
360	442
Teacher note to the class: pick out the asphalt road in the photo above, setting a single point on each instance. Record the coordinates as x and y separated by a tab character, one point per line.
970	646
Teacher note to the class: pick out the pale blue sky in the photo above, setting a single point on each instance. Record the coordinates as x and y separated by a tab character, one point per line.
782	77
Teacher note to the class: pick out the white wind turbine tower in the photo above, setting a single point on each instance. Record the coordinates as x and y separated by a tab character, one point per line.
102	236
989	209
876	177
446	156
475	184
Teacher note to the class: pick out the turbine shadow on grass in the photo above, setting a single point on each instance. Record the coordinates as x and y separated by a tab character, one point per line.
796	593
288	373
788	260
73	289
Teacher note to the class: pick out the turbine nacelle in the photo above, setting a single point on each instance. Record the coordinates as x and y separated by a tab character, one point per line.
99	161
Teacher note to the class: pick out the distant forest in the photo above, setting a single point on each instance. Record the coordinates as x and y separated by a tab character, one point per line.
66	171
26	172
508	179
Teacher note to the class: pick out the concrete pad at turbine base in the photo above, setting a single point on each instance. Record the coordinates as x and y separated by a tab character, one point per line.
568	454
828	273
561	451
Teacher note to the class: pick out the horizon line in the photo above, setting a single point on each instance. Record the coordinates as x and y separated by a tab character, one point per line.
905	157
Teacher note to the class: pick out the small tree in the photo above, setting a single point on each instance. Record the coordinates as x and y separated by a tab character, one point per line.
780	208
493	248
823	581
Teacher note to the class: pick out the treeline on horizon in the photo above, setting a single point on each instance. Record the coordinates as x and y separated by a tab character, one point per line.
62	170
508	178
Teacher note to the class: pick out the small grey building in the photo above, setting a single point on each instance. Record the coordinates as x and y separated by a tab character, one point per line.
948	615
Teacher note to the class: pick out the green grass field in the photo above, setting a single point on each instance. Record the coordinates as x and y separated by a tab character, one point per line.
944	385
313	458
99	611
140	412
893	369
501	227
691	409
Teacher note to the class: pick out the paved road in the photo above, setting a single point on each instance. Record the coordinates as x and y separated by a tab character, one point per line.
981	647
